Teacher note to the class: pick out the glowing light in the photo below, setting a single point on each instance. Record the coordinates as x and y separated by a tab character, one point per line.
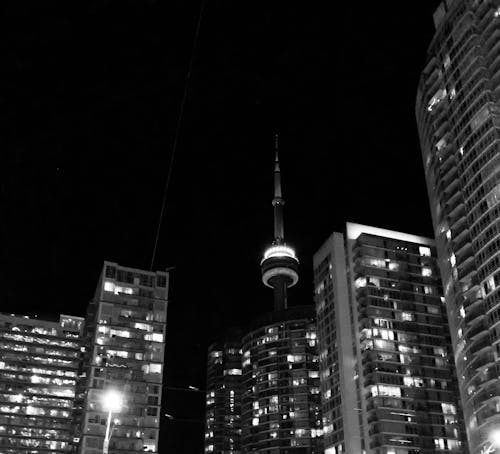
112	401
280	271
495	438
279	251
232	372
424	251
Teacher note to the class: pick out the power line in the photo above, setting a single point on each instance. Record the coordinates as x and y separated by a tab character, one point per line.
177	132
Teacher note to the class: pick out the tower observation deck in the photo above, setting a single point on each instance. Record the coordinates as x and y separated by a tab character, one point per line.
280	264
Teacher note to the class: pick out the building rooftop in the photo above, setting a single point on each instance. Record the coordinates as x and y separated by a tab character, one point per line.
355	230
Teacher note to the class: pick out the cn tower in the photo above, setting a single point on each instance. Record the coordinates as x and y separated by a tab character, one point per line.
280	264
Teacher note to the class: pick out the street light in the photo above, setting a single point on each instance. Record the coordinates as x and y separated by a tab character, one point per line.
112	402
494	439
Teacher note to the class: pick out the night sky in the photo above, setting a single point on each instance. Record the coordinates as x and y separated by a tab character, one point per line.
90	99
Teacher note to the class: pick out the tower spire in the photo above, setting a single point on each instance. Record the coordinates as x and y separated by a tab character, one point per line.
278	201
279	265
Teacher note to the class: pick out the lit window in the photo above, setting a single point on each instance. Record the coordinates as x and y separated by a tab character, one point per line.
426	271
295	358
149	446
413	381
143	326
126	290
406	316
436	99
381	344
232	372
453	259
446	64
360	282
380	263
320	287
119	333
439	443
316	433
384	390
393	266
441	144
152	368
433	310
255	421
155	337
428	290
109	286
424	251
386	334
449	409
373	281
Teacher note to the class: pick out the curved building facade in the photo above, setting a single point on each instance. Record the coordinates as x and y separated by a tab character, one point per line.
458	115
281	395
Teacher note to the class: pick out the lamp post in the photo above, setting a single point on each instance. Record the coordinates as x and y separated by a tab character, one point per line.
494	439
112	402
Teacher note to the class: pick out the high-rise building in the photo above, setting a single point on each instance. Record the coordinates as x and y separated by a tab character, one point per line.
458	115
281	395
278	401
386	365
125	336
223	410
38	372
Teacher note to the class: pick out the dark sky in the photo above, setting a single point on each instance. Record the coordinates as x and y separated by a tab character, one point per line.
90	97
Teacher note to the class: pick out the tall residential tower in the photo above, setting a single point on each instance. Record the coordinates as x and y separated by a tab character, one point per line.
39	362
458	115
386	368
223	410
125	334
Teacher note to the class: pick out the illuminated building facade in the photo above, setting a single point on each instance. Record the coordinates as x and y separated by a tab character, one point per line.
458	114
125	334
386	365
38	372
281	395
223	410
